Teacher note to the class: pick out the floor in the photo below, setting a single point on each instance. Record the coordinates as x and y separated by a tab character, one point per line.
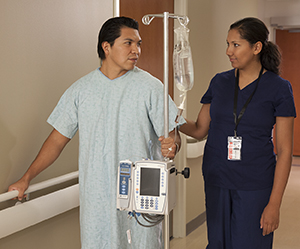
287	236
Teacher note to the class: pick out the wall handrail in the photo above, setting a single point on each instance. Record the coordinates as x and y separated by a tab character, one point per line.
41	185
30	213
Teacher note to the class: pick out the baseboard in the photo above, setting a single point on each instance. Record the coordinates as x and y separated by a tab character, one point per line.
195	223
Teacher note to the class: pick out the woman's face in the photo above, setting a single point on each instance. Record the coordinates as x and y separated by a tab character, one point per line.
240	52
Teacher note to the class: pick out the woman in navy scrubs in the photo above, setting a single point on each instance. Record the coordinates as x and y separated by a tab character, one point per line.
244	180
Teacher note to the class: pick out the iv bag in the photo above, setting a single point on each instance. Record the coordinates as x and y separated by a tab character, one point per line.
182	61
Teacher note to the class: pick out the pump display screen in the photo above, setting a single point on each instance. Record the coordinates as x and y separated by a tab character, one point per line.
150	181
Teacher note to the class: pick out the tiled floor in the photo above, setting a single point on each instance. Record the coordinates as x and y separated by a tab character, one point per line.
287	236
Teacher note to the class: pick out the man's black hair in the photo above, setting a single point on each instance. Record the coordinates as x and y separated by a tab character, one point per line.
111	30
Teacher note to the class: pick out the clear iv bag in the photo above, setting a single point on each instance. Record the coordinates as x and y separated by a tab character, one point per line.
182	61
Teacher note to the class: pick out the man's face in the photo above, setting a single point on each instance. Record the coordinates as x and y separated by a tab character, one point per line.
123	55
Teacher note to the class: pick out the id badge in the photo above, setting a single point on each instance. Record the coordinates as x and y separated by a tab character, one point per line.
234	148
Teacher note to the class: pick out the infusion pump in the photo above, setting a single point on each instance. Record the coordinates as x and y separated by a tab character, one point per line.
146	186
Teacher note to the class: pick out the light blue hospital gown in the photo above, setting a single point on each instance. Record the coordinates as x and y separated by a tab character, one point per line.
116	120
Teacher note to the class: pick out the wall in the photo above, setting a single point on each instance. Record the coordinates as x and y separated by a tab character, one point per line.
45	46
209	23
279	8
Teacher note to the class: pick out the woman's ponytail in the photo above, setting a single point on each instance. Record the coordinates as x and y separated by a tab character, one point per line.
270	57
254	30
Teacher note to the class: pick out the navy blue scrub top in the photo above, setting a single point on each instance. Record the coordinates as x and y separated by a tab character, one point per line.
273	97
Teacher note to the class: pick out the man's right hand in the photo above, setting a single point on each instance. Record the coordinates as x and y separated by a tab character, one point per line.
21	186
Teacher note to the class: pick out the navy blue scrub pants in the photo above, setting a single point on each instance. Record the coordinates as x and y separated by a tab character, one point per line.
233	218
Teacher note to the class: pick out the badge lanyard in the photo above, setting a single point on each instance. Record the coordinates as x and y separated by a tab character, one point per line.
235	142
238	119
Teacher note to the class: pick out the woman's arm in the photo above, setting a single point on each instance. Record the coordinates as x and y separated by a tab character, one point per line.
198	129
284	145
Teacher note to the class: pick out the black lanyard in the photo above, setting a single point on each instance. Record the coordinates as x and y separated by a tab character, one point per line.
236	92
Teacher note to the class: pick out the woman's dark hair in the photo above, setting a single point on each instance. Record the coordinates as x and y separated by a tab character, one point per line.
254	30
111	30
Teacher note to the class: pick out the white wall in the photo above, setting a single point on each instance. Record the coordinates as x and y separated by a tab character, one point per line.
45	46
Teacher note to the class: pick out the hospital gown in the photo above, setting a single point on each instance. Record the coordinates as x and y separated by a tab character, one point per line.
116	120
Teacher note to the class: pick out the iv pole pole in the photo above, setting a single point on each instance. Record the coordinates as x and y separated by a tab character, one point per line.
166	110
166	74
183	20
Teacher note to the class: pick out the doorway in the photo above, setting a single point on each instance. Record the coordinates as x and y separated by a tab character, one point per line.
289	44
152	56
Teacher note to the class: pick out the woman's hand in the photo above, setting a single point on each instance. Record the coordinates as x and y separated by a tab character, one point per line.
269	221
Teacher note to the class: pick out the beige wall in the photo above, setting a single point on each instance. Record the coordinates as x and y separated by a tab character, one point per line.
279	8
209	23
45	46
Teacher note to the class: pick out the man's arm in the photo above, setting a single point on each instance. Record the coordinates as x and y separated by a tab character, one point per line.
49	152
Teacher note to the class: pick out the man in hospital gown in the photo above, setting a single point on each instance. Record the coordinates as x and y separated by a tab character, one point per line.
118	111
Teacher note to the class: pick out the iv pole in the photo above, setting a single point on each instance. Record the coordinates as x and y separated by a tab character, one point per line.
183	20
